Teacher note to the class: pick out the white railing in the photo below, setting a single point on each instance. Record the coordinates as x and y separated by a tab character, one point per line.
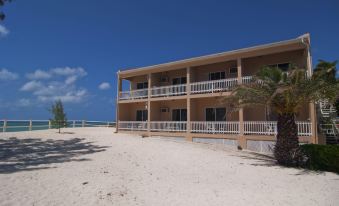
247	79
304	128
133	94
215	127
260	127
29	125
133	125
171	126
172	90
270	128
213	86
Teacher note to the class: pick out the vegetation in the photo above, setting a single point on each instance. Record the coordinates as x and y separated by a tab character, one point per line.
2	3
285	93
59	120
322	157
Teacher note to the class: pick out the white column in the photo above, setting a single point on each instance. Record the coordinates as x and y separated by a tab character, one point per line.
239	71
149	78
4	126
30	125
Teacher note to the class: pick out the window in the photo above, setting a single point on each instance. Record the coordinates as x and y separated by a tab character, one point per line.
234	70
216	114
142	115
283	66
179	115
216	75
142	85
179	80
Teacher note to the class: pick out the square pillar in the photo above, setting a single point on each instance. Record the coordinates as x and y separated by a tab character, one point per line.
313	117
119	89
242	140
239	66
149	77
188	104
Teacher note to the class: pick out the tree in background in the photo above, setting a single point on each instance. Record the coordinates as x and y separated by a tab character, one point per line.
285	93
2	3
59	120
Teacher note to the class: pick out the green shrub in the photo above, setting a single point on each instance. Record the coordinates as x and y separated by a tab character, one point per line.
321	157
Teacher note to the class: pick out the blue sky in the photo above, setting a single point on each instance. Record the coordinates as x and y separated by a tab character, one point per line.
67	49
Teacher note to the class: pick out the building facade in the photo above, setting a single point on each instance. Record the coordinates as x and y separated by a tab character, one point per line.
185	98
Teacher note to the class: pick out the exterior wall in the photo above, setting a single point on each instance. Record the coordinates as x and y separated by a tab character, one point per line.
170	74
137	79
156	115
200	73
128	112
199	105
253	64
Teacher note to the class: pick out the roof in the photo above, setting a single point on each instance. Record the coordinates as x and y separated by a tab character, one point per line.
302	40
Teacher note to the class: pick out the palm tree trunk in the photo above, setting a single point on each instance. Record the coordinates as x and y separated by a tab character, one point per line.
286	149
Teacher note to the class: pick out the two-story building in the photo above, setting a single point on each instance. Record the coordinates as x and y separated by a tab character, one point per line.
185	98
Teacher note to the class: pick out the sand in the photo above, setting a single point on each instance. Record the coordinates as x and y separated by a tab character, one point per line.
94	166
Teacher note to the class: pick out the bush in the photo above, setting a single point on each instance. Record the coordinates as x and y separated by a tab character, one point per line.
321	157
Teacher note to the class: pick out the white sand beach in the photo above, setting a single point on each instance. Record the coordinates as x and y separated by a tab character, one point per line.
94	166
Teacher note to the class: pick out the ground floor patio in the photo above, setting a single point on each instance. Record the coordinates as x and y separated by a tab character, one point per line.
95	166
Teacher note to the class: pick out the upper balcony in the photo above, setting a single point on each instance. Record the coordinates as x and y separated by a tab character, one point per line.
202	87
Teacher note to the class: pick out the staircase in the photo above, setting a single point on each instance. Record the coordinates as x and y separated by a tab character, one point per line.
329	124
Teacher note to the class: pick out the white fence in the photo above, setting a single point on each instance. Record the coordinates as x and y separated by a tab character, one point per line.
247	79
170	126
29	125
173	90
215	127
213	86
270	128
133	125
134	94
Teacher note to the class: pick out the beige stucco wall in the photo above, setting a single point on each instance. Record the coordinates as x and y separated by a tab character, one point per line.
251	65
128	112
200	73
199	107
170	74
156	115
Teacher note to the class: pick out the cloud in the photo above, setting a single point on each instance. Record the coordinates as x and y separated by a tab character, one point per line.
3	31
31	86
39	74
24	102
7	75
57	83
104	86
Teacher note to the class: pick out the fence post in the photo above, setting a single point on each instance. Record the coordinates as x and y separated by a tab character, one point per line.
73	123
4	126
49	124
107	124
30	125
83	123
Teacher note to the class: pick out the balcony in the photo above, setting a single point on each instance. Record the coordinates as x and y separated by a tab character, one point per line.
181	89
266	128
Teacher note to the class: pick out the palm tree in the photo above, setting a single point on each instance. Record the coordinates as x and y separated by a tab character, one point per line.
285	93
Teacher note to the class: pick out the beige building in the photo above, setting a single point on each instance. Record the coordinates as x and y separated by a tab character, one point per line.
185	98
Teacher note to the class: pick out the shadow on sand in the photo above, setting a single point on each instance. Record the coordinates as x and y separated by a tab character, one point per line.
33	154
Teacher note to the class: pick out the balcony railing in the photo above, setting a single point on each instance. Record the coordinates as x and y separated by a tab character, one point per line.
134	94
270	128
215	127
213	86
172	90
228	127
133	125
170	126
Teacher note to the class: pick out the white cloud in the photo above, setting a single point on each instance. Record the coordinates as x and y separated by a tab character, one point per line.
24	102
3	31
68	71
7	75
39	74
104	86
31	86
56	83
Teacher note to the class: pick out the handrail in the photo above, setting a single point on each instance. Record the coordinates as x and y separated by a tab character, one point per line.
172	90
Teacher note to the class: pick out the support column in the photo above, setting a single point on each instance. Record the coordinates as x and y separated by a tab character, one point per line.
149	77
188	104
119	89
239	71
314	123
49	124
30	125
242	140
